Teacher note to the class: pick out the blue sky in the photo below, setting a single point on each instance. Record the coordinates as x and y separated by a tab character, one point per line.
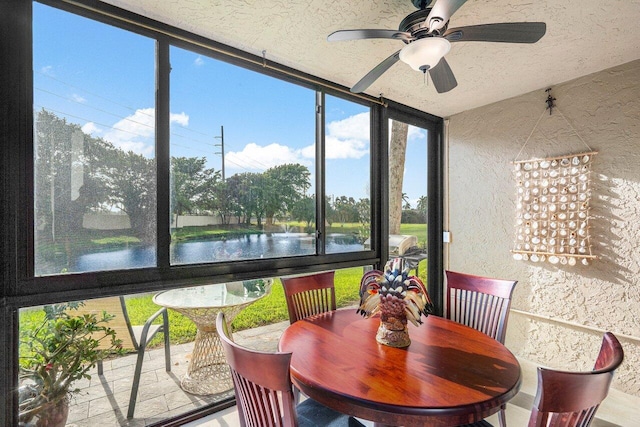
102	78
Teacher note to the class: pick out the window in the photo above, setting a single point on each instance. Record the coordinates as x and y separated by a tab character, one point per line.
408	202
348	171
242	163
95	201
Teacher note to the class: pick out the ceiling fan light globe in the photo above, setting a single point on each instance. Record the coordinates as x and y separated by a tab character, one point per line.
423	54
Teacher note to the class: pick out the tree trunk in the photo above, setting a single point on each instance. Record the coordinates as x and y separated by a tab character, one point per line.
397	151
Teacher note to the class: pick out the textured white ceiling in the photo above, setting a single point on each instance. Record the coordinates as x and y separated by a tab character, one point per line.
583	36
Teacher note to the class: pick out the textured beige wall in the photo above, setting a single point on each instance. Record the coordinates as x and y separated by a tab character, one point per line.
604	110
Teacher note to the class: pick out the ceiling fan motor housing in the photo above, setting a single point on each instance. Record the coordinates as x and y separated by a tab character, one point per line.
421	4
414	24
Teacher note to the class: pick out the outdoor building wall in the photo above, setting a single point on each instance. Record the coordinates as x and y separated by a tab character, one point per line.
559	311
100	221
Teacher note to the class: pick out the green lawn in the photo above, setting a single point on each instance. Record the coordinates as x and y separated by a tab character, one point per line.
269	309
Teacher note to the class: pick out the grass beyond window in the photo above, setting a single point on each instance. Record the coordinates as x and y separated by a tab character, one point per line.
270	309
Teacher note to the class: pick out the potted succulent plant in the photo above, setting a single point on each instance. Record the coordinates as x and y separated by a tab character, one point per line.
54	353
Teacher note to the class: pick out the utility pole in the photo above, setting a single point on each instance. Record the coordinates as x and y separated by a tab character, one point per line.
221	145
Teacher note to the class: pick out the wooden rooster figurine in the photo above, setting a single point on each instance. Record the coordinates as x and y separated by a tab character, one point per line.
398	297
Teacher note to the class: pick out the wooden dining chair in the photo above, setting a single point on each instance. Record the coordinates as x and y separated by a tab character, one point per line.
264	392
481	303
309	295
133	337
571	399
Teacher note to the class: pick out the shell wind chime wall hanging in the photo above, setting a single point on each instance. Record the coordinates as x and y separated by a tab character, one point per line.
552	206
552	219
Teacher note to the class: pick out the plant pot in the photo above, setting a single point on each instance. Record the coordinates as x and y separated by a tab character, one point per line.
53	414
393	332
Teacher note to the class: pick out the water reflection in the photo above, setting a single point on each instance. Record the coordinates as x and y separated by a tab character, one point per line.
270	245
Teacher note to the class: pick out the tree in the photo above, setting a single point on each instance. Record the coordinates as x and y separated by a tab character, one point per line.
423	205
216	197
305	210
285	185
329	213
76	173
259	191
364	211
133	185
364	217
397	152
346	210
247	196
69	182
406	203
193	185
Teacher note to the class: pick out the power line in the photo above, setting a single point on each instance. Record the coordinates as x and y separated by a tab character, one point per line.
247	159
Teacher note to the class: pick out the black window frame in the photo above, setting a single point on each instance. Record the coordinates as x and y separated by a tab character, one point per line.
20	288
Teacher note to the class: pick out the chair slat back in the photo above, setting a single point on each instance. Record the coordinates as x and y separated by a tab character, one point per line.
479	302
571	399
309	295
263	389
120	322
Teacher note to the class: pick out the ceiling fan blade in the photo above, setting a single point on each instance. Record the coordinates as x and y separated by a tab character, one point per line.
441	12
373	75
368	34
508	32
442	77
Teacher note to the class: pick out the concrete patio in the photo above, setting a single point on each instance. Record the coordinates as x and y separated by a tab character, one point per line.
103	401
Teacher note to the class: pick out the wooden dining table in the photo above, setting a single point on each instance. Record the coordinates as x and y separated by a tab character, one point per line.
449	375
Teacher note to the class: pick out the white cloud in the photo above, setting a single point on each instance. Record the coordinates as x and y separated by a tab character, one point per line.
257	158
198	61
78	98
416	134
182	119
337	148
355	127
345	139
136	132
47	69
90	128
348	138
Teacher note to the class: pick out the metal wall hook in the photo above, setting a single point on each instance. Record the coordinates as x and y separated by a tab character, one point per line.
550	101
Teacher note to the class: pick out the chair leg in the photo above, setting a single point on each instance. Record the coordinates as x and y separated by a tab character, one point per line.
136	382
167	341
100	368
296	395
502	416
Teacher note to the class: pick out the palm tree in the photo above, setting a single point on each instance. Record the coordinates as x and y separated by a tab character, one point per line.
397	152
407	203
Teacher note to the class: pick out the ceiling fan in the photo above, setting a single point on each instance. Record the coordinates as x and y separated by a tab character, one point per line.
428	39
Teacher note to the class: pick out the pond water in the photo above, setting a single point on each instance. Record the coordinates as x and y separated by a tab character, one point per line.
254	246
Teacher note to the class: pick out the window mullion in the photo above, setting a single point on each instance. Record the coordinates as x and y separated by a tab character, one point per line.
163	69
320	175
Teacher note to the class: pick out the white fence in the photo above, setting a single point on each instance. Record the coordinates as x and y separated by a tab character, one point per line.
104	221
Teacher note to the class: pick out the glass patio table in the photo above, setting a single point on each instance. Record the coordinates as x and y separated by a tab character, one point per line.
208	372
